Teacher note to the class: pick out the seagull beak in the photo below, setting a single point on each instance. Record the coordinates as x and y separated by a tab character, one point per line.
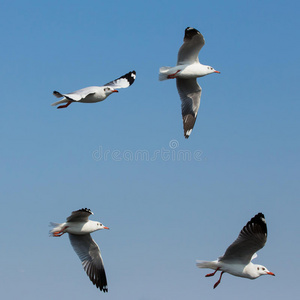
105	227
115	91
217	72
270	273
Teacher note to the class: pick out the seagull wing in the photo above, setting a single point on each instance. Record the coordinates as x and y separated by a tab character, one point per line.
192	43
124	81
90	256
252	237
81	215
190	93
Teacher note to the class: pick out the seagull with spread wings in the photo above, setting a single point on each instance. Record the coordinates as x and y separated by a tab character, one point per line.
238	256
79	227
94	94
186	71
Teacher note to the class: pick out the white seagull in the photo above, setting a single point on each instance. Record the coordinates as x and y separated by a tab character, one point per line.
186	71
79	227
94	94
237	258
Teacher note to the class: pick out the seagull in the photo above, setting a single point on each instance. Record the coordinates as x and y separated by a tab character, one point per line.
94	94
186	71
238	256
79	227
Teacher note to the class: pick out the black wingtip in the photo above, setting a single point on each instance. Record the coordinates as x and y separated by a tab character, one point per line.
188	124
258	222
190	32
85	210
130	76
259	218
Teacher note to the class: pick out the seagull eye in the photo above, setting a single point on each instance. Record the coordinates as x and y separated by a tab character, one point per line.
263	269
257	268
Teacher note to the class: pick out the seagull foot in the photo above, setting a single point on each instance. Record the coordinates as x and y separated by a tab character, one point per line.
212	274
64	106
172	76
60	232
218	282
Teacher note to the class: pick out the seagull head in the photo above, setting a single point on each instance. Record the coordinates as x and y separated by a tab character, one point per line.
210	70
262	270
109	90
100	226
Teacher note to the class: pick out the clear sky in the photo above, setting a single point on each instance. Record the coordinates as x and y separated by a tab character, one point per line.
164	211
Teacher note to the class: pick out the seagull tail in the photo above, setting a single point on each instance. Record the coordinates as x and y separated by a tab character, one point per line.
55	227
60	101
59	95
207	264
163	73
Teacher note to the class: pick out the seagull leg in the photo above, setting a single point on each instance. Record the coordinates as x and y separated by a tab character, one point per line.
172	76
66	105
212	274
60	232
218	282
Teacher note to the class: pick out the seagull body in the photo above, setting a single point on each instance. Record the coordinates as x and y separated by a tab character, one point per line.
79	227
238	256
186	71
94	94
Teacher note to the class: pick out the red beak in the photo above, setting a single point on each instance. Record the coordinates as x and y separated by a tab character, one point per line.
105	227
217	72
270	273
115	91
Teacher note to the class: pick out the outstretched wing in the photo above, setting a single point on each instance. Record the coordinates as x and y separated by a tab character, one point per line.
192	43
81	215
124	81
90	256
190	93
252	237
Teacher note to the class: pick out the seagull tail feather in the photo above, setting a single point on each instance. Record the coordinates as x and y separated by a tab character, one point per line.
207	264
163	73
59	95
60	101
55	227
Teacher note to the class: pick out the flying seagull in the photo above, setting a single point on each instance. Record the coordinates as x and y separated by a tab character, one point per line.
79	227
238	256
186	71
94	94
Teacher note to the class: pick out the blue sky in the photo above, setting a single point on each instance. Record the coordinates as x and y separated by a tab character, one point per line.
164	213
